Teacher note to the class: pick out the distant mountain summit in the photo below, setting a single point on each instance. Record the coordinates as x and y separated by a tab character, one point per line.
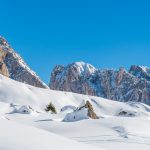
13	66
140	72
120	85
71	77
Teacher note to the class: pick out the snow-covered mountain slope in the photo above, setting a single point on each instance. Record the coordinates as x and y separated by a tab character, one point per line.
14	92
120	125
15	67
120	85
113	133
16	136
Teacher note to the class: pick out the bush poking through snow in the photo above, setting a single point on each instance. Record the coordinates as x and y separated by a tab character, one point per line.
51	108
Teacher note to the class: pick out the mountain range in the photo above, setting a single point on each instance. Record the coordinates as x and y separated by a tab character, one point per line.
81	121
121	85
80	77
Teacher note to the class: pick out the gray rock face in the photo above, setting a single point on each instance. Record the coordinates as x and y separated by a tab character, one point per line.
140	72
120	85
13	66
3	68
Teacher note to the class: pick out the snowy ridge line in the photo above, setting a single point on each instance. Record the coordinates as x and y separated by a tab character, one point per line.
24	65
17	68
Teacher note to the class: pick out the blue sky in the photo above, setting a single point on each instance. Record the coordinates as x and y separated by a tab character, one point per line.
105	33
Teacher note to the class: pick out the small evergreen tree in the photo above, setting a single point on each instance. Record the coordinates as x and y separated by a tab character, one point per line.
51	108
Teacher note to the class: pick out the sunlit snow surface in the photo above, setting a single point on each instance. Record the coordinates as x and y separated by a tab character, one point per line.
25	125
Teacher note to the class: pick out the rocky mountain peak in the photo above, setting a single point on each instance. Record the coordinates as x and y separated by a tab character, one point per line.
12	65
140	71
83	68
70	74
120	85
3	41
120	75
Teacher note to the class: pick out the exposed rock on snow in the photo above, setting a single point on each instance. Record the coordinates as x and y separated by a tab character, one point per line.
84	112
91	114
13	66
127	113
120	85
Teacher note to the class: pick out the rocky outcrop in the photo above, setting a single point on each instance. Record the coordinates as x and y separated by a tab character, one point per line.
71	78
140	72
84	111
91	113
3	68
120	85
13	66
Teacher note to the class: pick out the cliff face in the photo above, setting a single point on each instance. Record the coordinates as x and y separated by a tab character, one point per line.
120	85
13	66
3	68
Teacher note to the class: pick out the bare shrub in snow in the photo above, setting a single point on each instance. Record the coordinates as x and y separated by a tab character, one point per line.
51	108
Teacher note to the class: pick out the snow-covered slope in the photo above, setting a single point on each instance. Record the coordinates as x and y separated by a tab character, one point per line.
13	92
16	67
120	125
16	136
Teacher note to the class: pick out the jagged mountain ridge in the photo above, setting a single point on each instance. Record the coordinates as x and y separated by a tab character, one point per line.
13	66
120	85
